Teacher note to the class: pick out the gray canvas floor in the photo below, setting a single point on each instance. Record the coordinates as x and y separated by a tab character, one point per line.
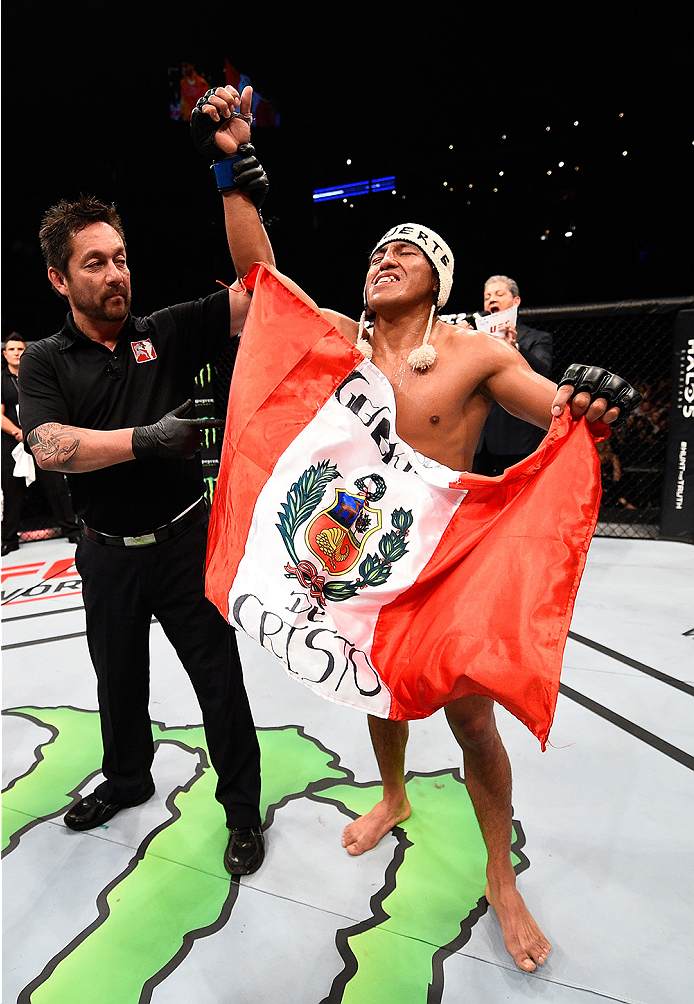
607	816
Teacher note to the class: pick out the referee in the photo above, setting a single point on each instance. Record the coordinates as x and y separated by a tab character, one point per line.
92	399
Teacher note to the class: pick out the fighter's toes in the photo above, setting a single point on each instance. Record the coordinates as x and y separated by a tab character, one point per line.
532	957
525	962
523	938
355	843
366	831
351	842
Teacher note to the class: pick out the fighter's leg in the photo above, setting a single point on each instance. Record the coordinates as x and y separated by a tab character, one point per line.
389	740
488	781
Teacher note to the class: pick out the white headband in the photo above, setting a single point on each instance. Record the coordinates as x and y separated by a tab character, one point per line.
440	256
433	246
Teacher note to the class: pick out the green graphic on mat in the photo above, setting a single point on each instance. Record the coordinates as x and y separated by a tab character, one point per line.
439	883
160	906
70	752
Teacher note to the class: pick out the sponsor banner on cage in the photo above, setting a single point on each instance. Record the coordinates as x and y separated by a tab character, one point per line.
677	511
379	578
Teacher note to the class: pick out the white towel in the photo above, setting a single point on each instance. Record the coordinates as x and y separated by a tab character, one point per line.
23	464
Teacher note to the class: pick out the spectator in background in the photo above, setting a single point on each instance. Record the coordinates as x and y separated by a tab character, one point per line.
53	486
193	86
506	440
610	476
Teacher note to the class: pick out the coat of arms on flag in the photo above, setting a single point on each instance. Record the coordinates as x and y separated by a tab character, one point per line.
380	579
338	534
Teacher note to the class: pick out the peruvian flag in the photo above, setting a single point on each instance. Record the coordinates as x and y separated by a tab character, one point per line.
379	578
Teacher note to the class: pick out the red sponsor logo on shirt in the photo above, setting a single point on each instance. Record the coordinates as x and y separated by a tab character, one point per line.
143	351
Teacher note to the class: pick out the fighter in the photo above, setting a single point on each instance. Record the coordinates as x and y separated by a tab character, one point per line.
445	380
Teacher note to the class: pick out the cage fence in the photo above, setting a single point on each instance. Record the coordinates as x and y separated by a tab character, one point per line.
36	521
636	342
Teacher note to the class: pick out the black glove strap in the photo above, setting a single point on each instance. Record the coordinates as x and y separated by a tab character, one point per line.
601	383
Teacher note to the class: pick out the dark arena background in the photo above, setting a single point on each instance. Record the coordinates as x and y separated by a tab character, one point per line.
554	148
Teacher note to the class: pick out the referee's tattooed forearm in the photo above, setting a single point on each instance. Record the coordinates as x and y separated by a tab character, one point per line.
54	443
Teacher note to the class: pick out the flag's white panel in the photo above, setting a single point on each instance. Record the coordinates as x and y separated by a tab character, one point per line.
347	521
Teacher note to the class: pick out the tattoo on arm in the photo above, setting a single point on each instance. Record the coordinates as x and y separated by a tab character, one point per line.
54	443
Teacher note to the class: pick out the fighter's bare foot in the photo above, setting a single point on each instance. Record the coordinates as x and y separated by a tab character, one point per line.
366	831
523	938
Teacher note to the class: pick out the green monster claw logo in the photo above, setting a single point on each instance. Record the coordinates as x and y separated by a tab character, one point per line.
210	484
337	535
174	889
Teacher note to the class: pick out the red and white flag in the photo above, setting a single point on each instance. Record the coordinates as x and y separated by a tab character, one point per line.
379	578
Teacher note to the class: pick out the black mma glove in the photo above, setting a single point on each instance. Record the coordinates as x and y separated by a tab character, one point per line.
172	437
203	128
240	170
601	383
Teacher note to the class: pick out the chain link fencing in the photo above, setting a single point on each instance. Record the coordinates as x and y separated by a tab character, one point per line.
635	340
36	521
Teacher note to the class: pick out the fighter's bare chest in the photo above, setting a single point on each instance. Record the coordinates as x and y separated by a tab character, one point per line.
427	399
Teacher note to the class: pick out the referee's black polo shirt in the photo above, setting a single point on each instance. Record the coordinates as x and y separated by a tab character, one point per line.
73	380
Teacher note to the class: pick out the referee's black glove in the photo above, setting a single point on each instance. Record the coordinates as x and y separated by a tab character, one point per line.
172	436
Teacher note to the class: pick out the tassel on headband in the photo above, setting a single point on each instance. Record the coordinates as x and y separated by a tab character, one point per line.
363	344
421	358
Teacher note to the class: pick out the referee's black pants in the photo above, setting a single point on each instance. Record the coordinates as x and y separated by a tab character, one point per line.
122	589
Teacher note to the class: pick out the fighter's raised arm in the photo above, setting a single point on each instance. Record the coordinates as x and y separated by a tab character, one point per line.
221	130
221	127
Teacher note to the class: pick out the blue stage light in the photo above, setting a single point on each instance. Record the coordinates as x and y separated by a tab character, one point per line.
386	184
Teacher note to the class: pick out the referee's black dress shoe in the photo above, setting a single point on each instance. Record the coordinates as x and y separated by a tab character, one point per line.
91	811
9	545
245	851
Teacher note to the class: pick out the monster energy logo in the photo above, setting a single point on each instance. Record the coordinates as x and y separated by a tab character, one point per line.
204	376
147	917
